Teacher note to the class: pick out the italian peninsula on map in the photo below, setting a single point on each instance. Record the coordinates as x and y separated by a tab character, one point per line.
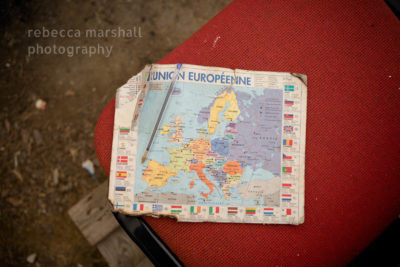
216	145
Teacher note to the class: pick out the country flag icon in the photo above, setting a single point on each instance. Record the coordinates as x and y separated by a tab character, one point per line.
195	210
124	131
232	210
120	188
289	102
286	185
286	197
213	210
250	211
288	128
287	169
157	208
288	116
119	205
122	144
138	207
284	156
121	174
287	142
122	160
268	211
176	209
289	88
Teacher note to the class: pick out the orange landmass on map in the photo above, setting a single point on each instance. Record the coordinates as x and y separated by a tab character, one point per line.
198	168
191	184
199	148
157	174
232	168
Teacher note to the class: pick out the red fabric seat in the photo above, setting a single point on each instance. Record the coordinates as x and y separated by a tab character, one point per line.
350	51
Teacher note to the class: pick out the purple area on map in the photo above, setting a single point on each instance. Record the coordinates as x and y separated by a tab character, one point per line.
193	161
258	139
218	174
203	115
220	146
211	153
231	129
242	96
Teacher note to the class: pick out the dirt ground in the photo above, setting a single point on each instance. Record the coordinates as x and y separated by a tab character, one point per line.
41	175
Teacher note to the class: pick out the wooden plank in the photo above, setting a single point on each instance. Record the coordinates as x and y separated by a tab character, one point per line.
93	215
119	250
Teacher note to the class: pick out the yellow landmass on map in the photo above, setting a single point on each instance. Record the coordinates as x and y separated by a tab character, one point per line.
157	174
234	179
165	129
225	190
231	113
180	158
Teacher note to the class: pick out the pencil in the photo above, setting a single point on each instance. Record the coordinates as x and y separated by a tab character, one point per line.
170	89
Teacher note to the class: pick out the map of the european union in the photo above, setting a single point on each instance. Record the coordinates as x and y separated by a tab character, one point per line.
217	145
218	152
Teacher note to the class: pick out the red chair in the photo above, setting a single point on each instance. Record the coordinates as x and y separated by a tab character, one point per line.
350	51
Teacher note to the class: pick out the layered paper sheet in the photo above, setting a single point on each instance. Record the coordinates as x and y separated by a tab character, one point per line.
230	146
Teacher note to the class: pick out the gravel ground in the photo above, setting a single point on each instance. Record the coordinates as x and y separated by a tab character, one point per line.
42	149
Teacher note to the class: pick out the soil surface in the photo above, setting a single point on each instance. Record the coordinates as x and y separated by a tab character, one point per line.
42	150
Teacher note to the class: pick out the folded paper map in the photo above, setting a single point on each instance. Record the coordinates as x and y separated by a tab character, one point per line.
229	147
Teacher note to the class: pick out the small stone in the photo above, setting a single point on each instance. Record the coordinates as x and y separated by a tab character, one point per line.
40	104
89	166
70	93
55	176
14	201
73	152
31	258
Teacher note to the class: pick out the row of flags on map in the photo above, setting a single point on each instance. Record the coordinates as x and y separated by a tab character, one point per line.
194	210
286	143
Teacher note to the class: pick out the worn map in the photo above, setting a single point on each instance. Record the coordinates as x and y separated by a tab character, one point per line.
229	148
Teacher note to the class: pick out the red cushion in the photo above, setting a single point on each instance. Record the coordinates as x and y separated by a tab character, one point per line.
350	52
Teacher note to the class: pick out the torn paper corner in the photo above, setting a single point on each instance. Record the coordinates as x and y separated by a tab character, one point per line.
301	77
